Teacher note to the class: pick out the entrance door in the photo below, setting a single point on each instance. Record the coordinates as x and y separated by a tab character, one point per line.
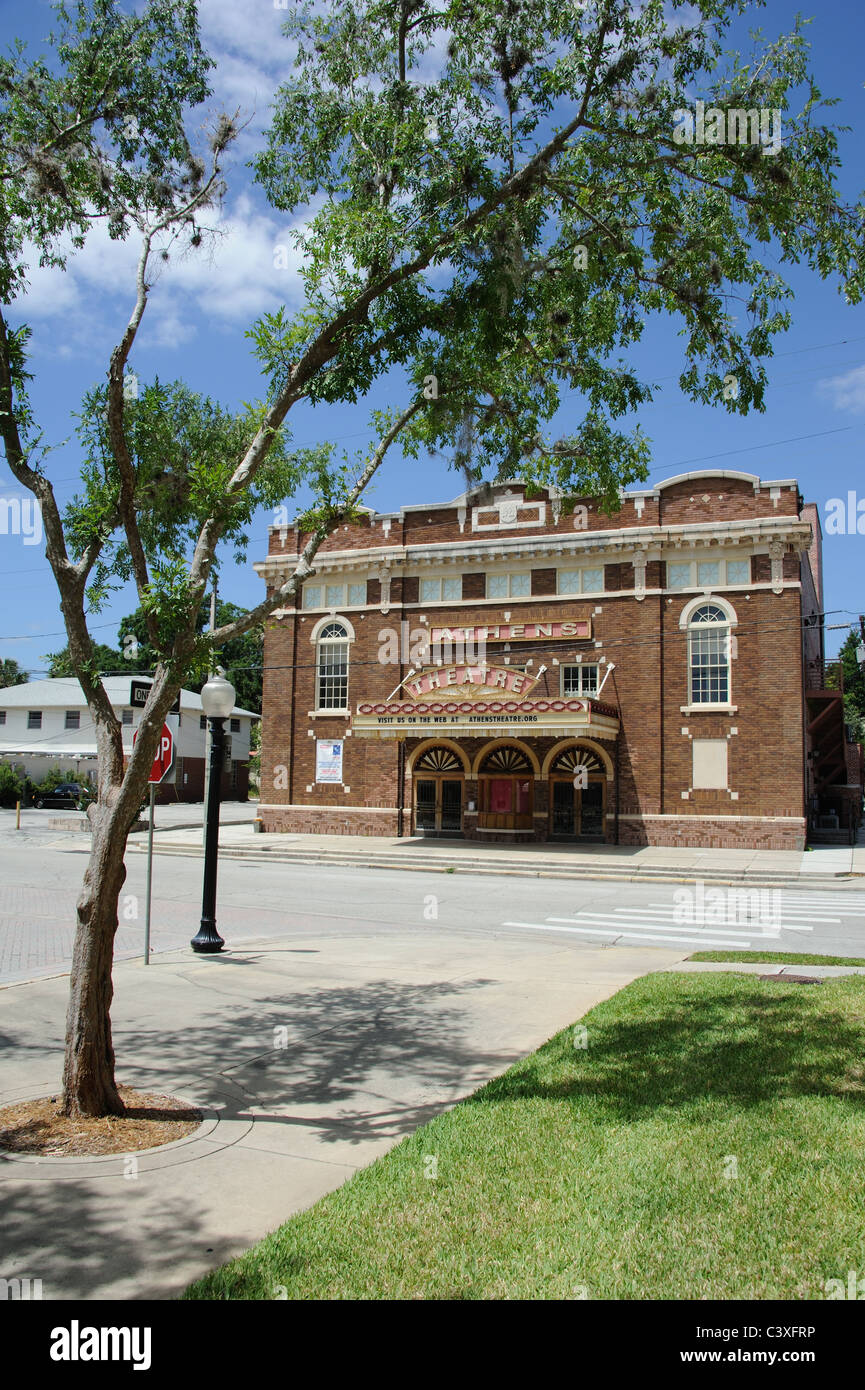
425	805
438	806
438	793
564	809
506	792
451	808
592	811
577	796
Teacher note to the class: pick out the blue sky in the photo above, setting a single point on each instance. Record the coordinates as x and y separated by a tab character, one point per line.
813	428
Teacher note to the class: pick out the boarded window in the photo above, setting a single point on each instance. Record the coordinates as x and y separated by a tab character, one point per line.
710	764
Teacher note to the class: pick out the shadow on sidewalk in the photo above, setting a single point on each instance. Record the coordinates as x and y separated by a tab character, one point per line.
352	1062
82	1237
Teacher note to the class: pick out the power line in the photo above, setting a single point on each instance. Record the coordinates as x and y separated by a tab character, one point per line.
666	468
752	448
357	434
32	636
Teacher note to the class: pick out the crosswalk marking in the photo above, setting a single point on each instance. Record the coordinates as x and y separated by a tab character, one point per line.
636	919
845	903
795	914
617	935
692	927
749	916
745	920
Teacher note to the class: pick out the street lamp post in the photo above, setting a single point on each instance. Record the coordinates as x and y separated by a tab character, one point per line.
217	701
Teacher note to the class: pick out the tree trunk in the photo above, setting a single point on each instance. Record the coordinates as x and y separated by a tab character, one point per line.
89	1087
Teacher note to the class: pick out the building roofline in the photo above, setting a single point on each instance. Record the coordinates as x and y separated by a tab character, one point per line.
756	530
722	473
471	497
70	687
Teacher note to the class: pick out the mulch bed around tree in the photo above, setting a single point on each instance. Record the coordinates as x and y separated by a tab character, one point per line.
37	1126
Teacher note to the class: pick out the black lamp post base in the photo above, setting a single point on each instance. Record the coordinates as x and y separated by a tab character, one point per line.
207	939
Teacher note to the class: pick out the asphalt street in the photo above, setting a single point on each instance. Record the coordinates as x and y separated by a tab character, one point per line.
41	871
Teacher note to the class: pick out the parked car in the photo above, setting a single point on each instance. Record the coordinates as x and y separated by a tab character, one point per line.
67	795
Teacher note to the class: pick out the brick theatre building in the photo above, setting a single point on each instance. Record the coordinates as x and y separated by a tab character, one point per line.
503	667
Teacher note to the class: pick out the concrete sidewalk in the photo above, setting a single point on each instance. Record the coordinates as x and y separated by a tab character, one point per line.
381	1033
823	865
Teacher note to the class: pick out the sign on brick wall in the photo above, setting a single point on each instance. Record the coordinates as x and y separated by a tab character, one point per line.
577	628
328	760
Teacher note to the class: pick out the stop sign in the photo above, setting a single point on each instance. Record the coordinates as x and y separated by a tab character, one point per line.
164	755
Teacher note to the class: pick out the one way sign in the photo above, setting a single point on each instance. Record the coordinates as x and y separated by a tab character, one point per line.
139	694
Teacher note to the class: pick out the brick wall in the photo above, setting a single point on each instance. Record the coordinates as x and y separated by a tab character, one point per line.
763	804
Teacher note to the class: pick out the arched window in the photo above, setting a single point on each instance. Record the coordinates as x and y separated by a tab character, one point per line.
332	666
709	655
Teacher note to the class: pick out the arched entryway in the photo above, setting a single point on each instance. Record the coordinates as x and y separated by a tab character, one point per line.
506	790
438	782
578	795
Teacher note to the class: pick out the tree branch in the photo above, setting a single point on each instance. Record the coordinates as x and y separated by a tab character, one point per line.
303	569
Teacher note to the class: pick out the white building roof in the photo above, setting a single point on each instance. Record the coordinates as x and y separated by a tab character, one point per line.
64	692
49	748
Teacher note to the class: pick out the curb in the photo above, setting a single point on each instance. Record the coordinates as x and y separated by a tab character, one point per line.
758	967
278	855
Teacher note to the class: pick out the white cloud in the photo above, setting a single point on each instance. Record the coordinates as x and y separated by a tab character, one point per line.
165	331
248	264
252	57
847	392
250	29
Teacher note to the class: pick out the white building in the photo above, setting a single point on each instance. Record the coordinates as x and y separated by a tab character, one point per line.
46	724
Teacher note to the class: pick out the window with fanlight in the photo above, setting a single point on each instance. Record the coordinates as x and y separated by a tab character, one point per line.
332	667
709	655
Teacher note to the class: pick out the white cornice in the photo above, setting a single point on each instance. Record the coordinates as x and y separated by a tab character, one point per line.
651	541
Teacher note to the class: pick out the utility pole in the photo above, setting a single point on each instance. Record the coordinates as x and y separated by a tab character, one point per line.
208	737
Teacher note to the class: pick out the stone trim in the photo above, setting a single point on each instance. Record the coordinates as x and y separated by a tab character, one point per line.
684	816
321	806
756	531
762	586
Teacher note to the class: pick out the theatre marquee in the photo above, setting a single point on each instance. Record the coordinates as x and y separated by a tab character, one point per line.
480	700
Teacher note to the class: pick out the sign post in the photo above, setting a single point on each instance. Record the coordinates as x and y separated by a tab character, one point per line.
163	765
149	878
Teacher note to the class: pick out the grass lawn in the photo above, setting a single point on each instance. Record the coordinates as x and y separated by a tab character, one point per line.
777	957
708	1142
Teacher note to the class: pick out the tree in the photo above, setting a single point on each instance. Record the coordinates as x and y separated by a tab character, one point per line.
107	660
11	786
854	682
240	658
11	673
490	233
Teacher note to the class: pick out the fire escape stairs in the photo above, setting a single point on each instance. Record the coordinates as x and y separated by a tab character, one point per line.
827	738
